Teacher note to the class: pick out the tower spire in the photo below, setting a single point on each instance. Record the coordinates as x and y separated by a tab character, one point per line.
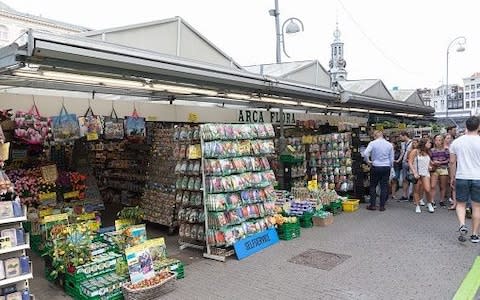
337	62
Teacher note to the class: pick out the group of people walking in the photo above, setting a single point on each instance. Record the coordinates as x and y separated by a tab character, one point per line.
445	162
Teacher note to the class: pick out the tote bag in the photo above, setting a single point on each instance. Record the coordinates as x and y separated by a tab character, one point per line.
30	127
65	126
90	125
135	127
113	127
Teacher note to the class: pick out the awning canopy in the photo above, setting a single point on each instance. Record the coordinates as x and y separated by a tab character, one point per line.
75	63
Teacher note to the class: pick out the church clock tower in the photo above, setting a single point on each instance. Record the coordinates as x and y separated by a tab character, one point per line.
337	62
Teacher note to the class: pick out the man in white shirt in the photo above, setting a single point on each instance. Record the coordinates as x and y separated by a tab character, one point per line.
379	155
465	176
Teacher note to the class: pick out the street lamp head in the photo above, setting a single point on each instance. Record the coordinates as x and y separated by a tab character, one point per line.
461	48
292	27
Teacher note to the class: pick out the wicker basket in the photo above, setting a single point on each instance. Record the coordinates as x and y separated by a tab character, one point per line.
152	292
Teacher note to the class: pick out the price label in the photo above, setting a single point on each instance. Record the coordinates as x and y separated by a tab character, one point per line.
194	151
85	217
402	125
290	147
47	196
152	119
70	195
49	173
192	117
45	212
312	185
92	136
55	218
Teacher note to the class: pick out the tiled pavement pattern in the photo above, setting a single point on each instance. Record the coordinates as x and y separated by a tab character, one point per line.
395	254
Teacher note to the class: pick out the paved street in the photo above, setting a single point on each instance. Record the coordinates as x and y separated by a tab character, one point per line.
396	254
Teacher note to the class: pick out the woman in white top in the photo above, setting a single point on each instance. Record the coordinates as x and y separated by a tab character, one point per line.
419	163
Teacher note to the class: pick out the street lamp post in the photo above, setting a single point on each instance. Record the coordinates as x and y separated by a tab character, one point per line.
291	28
460	41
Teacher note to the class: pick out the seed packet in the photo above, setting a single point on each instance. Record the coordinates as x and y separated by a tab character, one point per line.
201	233
216	202
190	183
186	199
261	131
188	228
178	183
219	238
233	200
181	214
227	166
229	132
239	165
181	230
235	217
196	168
229	237
197	186
211	238
196	133
270	130
194	232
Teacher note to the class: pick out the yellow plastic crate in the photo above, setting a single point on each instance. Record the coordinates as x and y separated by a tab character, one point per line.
350	205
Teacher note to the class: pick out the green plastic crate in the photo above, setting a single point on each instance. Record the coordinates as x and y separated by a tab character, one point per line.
289	231
118	295
306	220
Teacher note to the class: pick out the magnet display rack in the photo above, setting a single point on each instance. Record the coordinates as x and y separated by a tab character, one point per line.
158	199
237	184
189	196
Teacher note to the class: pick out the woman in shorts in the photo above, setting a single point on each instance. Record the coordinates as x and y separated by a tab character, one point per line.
440	158
419	163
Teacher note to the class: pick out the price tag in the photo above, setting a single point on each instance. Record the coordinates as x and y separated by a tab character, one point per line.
291	148
45	212
402	125
49	173
312	185
194	151
55	218
152	119
70	195
47	196
85	217
192	117
92	136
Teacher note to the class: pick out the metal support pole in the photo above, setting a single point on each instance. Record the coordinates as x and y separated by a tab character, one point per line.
276	14
282	144
447	89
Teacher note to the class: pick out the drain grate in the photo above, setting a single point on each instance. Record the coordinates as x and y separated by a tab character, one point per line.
319	259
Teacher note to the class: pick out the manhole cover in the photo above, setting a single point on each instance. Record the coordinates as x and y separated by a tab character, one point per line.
319	259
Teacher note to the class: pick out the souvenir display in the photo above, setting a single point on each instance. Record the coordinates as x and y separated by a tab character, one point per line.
238	187
158	201
330	161
189	197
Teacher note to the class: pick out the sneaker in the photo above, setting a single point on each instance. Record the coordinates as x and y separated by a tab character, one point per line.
417	209
430	208
442	204
450	200
403	198
474	238
463	232
434	204
422	202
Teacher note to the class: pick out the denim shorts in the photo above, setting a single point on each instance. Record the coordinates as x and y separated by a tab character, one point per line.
467	190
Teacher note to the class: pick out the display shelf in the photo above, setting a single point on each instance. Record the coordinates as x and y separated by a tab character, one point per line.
13	220
17	248
9	281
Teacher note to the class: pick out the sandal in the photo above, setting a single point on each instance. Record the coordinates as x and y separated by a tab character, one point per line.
453	207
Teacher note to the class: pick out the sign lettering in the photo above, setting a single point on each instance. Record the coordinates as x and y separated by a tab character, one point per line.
255	243
258	116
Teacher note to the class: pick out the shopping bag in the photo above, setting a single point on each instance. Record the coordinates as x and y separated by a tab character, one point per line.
135	127
90	125
65	126
113	127
30	127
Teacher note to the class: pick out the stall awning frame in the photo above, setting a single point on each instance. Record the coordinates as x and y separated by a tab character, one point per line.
92	57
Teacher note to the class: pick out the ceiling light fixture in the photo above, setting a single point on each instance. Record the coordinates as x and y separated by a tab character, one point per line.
308	104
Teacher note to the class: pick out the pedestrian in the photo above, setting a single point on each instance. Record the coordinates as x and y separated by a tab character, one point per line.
406	148
396	181
419	164
379	155
453	203
452	130
440	158
465	176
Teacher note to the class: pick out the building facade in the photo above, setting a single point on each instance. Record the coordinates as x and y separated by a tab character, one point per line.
14	23
426	96
472	93
455	106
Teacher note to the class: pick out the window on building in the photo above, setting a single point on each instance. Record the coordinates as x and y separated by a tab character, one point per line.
3	33
478	103
467	104
339	51
478	94
473	104
435	104
334	50
478	85
467	87
472	86
467	95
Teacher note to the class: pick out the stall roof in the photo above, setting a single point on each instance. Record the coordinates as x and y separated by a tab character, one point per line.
368	87
308	71
173	36
408	96
97	59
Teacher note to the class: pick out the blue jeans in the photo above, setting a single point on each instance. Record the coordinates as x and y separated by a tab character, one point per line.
379	175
